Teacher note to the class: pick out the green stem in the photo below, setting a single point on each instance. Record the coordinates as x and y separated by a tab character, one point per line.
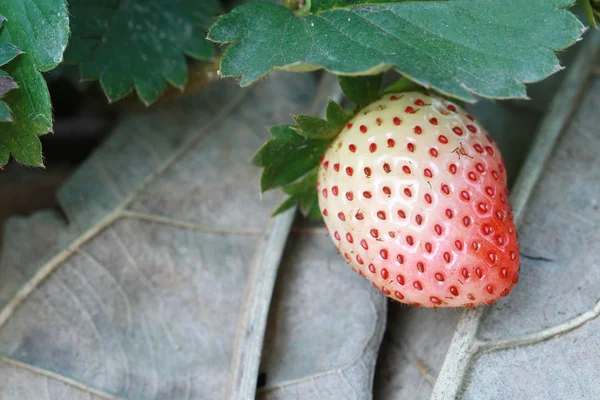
589	12
300	7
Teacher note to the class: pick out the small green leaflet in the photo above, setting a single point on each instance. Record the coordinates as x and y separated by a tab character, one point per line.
139	44
287	157
318	128
462	48
303	194
6	84
40	29
361	90
5	115
291	157
8	51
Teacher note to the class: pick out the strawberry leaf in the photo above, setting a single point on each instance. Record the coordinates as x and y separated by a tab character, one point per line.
8	51
139	44
6	84
318	128
297	149
40	29
450	46
288	156
302	194
5	115
361	90
290	159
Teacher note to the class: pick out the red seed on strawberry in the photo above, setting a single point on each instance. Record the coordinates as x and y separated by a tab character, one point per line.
425	201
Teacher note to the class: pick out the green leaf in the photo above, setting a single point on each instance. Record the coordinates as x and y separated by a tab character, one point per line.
461	48
6	84
291	158
8	51
401	85
40	29
318	128
324	5
139	44
361	90
5	115
303	194
288	156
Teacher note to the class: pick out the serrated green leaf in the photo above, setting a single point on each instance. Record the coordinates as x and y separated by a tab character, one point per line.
291	158
31	114
139	44
315	211
361	90
5	115
8	51
286	205
461	48
288	156
336	115
303	194
40	29
6	83
318	128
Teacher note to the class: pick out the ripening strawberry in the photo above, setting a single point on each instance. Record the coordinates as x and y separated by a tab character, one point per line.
413	193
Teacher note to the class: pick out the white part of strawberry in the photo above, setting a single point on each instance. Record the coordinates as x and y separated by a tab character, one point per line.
413	193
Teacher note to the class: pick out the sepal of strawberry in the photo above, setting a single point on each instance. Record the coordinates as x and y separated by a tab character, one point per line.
303	194
288	156
361	90
319	128
401	85
291	157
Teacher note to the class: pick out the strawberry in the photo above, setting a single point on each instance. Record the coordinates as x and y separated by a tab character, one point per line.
413	193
